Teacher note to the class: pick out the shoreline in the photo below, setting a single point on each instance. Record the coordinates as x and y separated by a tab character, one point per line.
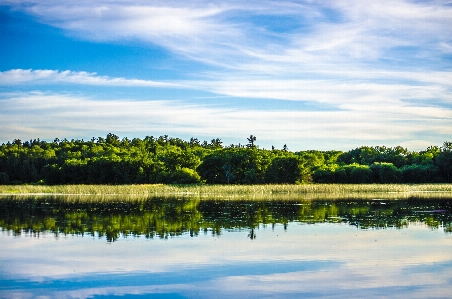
304	191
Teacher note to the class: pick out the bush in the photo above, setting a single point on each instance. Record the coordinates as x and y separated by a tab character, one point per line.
213	169
353	173
284	170
324	176
360	174
185	176
385	173
341	176
420	174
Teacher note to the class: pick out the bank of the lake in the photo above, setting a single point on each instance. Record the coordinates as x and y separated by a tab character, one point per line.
248	191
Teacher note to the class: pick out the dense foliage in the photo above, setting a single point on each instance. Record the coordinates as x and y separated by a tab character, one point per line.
111	160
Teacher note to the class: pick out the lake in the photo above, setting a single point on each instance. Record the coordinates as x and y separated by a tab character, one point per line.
81	247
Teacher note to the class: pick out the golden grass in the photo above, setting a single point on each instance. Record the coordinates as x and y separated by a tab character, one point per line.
306	191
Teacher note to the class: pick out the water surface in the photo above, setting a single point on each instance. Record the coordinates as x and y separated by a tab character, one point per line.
189	248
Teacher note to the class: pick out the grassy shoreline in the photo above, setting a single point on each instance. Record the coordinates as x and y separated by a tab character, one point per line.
306	191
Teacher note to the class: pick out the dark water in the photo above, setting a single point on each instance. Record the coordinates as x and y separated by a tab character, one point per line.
187	248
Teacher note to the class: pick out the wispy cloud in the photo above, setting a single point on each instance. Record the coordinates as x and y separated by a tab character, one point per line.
347	93
63	115
378	68
20	76
225	34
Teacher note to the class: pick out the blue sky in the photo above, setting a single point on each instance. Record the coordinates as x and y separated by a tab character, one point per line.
310	74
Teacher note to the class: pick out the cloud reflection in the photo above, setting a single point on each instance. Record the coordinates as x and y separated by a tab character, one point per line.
312	260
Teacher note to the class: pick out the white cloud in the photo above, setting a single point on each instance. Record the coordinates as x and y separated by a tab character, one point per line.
338	54
220	34
69	116
20	76
430	85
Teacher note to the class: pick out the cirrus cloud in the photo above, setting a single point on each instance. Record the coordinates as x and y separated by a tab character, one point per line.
20	76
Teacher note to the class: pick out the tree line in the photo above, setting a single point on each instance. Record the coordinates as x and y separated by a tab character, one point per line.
168	160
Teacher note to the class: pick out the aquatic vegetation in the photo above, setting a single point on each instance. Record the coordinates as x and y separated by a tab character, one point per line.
244	191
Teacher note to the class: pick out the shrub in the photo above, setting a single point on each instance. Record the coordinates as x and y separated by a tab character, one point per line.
185	176
417	173
283	170
360	174
385	173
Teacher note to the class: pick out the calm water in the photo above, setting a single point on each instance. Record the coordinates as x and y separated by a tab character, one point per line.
182	248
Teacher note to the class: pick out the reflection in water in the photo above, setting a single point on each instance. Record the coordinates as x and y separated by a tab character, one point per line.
225	249
163	218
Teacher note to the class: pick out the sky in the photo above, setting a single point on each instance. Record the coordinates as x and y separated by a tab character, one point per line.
324	75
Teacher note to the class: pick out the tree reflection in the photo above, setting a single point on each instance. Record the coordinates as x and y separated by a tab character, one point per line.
252	234
169	217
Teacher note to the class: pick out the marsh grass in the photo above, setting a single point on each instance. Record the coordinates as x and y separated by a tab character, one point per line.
307	191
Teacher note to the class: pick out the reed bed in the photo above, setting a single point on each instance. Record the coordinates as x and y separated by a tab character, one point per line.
306	191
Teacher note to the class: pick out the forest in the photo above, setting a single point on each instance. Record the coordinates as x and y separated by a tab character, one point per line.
169	160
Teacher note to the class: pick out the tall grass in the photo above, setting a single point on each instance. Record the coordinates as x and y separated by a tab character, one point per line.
327	191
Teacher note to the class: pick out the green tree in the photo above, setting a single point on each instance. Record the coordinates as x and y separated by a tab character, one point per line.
251	141
385	173
213	169
325	174
444	160
420	173
309	162
283	170
360	174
